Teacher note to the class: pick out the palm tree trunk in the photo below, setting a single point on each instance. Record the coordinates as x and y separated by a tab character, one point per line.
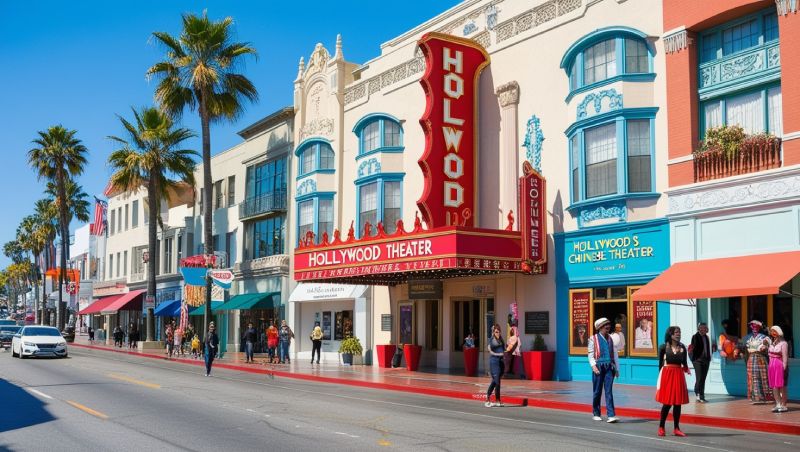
208	203
36	287
152	261
61	309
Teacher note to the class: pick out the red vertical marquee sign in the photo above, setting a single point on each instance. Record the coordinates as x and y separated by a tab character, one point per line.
533	219
449	164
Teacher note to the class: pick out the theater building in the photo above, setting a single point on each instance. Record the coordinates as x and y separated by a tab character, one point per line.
734	216
409	177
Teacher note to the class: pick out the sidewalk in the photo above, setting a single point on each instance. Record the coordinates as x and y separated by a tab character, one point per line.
631	401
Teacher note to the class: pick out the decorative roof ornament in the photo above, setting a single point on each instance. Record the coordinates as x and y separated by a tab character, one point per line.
300	68
319	58
338	55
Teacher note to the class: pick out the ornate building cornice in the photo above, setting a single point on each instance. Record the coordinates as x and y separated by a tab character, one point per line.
677	40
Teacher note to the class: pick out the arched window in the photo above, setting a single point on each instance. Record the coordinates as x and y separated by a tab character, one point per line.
378	133
607	55
315	155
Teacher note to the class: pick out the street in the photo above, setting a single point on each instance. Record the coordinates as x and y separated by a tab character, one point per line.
97	400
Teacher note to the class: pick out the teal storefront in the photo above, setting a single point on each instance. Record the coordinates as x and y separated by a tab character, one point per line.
598	269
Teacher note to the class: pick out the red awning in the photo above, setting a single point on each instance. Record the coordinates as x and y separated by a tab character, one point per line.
100	305
760	274
131	301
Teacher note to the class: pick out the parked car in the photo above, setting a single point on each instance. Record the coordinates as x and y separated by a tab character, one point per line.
7	333
38	341
8	322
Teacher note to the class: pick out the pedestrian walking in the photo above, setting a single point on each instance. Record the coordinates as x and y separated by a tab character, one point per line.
604	360
211	344
178	336
91	334
779	368
700	350
757	346
132	336
316	342
496	348
250	338
169	334
196	346
285	336
272	342
118	336
671	389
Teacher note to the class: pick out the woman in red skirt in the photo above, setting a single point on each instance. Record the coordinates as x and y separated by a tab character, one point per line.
671	388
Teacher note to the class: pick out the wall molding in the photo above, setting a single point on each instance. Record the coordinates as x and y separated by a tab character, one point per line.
675	41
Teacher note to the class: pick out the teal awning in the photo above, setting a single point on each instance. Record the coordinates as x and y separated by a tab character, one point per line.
201	310
252	301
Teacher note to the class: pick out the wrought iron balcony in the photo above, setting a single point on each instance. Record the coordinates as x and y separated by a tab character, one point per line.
757	153
274	201
756	62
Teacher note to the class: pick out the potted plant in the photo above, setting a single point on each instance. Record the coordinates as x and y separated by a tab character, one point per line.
385	354
539	362
349	347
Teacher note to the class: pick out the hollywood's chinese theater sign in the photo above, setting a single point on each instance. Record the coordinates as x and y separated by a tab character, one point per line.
450	244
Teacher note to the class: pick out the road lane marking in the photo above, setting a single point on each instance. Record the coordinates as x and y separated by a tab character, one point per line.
40	394
346	434
86	409
134	381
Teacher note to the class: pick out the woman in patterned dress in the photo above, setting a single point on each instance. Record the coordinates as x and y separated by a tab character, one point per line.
756	345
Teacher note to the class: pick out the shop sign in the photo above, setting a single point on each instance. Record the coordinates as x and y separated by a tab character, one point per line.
149	302
580	315
640	251
168	294
449	162
425	290
431	250
533	218
386	322
222	278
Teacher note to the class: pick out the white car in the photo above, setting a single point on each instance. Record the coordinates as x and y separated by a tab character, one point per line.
38	341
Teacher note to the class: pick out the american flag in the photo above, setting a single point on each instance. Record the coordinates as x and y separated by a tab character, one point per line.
99	225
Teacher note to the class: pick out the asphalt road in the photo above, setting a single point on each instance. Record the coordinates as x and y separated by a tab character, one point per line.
98	400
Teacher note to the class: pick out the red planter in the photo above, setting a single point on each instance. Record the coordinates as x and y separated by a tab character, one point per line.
539	365
412	354
471	361
385	353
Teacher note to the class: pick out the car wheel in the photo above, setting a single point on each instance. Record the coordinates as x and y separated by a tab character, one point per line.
13	353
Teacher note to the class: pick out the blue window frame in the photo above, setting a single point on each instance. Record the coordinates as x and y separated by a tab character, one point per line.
739	35
379	198
315	214
605	56
378	132
611	156
756	110
315	155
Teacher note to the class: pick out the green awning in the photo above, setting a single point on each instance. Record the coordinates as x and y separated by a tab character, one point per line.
252	301
201	310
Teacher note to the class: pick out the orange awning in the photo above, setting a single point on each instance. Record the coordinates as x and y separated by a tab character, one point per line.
131	301
100	305
760	274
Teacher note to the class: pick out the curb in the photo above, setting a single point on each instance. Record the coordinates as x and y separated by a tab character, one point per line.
640	413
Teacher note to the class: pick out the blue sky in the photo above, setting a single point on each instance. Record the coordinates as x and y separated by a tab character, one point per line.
81	63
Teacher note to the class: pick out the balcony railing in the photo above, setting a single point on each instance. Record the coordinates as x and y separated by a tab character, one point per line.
751	63
274	201
757	153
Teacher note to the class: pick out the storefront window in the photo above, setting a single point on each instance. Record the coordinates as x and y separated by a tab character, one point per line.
326	325
344	325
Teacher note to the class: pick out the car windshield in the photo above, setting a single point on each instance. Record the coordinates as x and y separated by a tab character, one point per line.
41	331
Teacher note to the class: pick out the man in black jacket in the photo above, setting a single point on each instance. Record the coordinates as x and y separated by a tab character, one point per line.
701	358
211	343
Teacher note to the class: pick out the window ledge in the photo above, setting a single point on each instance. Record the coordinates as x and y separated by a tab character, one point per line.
317	171
386	149
640	77
575	208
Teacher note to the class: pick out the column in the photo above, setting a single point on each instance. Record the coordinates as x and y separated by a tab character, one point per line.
789	37
508	96
682	105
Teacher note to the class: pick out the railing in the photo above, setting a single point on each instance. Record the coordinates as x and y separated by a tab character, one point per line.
278	261
733	68
274	201
136	277
757	153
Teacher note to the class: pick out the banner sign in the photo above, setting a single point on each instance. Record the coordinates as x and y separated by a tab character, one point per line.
429	250
425	290
449	163
222	278
533	218
642	316
580	314
193	276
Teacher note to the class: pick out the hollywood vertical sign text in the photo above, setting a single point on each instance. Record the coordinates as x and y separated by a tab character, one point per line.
449	162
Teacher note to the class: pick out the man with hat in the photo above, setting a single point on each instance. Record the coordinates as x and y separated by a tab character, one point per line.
756	345
604	359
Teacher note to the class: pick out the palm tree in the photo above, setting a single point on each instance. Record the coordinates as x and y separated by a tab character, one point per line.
151	156
46	215
58	157
27	238
199	73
